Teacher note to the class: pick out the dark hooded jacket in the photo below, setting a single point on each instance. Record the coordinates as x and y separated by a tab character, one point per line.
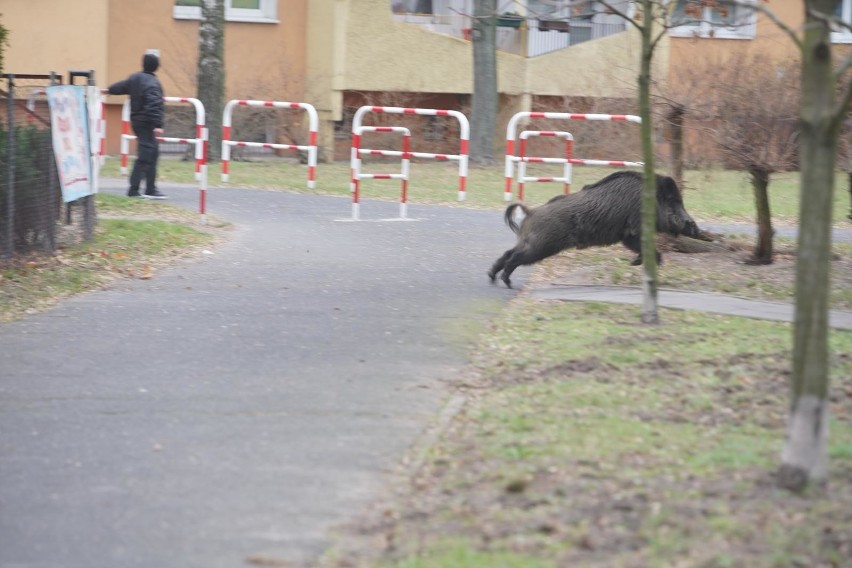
146	93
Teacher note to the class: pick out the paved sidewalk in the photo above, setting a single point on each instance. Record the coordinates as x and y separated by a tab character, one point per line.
701	301
240	404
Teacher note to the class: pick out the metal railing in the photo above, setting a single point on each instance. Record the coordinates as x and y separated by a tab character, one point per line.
533	36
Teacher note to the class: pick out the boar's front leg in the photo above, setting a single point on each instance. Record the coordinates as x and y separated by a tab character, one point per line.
634	243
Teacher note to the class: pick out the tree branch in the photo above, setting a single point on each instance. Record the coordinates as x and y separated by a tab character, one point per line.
620	13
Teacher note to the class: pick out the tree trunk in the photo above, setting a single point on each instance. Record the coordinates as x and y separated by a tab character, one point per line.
675	116
805	456
849	184
211	72
484	100
650	312
763	249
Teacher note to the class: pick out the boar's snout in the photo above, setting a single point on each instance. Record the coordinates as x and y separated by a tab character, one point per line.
688	227
680	223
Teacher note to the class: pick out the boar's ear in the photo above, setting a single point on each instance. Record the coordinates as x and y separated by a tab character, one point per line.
667	191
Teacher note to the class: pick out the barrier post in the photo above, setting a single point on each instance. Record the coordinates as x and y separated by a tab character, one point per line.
511	128
357	175
523	159
311	148
126	136
200	142
462	157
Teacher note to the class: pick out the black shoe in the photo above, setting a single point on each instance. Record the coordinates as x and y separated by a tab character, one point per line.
133	194
155	195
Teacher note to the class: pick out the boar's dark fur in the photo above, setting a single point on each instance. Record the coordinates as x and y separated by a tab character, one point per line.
603	213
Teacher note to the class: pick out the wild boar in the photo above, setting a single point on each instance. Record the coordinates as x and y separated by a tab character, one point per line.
603	213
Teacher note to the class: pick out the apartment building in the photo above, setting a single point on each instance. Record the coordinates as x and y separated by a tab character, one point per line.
340	54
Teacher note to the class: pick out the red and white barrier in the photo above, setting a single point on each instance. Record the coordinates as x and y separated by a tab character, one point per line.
405	169
200	143
511	129
310	148
200	140
524	160
461	157
102	131
31	104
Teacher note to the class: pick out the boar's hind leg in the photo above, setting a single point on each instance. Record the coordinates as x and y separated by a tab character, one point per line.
498	266
634	243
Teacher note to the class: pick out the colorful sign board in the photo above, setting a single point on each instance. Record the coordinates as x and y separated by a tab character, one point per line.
71	142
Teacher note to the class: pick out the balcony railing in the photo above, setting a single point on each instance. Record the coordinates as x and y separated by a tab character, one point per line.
532	37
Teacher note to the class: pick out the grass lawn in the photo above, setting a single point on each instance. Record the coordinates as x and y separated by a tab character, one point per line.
133	237
591	440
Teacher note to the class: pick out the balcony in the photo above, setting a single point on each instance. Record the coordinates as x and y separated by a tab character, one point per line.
527	36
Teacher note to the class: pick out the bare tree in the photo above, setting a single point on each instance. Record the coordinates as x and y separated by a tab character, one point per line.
823	110
755	104
485	96
211	71
805	457
652	21
845	158
674	118
4	40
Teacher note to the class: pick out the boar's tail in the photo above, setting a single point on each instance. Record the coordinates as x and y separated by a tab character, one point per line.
510	215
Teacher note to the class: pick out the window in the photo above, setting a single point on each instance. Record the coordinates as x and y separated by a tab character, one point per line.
264	11
412	7
726	20
843	12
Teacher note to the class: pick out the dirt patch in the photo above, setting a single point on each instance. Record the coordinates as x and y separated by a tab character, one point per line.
726	270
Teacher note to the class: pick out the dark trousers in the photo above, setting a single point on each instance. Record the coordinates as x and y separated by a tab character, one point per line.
147	153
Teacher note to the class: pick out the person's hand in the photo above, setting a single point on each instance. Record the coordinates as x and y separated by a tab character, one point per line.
158	131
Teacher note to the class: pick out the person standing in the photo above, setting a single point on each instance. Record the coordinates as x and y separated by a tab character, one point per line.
146	118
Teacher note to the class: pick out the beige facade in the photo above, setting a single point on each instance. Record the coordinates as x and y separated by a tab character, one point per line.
769	40
263	60
331	52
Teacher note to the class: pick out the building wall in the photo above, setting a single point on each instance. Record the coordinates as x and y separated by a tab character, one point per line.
606	67
50	35
769	41
692	64
263	61
356	46
382	54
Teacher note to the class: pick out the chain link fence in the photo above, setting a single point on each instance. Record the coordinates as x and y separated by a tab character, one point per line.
33	218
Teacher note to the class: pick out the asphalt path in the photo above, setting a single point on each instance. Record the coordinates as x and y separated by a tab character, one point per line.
240	404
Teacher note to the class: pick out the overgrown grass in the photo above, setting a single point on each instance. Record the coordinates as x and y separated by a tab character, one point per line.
718	195
123	247
591	440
